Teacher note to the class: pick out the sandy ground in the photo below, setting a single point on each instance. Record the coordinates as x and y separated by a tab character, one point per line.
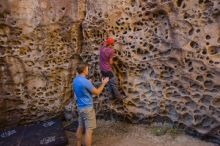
110	133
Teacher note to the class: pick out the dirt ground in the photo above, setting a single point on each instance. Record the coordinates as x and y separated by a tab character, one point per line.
110	133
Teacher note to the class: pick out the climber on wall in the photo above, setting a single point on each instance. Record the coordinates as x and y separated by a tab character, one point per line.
106	61
83	90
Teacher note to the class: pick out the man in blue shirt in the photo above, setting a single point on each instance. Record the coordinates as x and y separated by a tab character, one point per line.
84	89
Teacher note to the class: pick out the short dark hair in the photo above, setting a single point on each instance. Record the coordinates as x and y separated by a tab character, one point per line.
81	66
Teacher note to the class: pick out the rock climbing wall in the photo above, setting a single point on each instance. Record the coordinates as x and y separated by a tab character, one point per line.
38	43
168	58
167	64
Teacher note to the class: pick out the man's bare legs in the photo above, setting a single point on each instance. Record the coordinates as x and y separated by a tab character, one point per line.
79	136
88	137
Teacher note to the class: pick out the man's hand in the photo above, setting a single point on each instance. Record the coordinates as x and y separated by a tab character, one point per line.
98	90
105	80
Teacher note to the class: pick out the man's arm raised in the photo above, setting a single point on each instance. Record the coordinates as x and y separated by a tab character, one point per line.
97	91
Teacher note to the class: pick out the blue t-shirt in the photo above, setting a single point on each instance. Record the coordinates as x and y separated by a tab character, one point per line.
83	91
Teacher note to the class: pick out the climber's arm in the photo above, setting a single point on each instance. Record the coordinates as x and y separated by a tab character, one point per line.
111	60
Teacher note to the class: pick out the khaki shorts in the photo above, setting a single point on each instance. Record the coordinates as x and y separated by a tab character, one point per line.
87	117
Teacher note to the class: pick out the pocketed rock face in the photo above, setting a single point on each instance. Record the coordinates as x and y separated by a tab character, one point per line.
167	58
38	43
